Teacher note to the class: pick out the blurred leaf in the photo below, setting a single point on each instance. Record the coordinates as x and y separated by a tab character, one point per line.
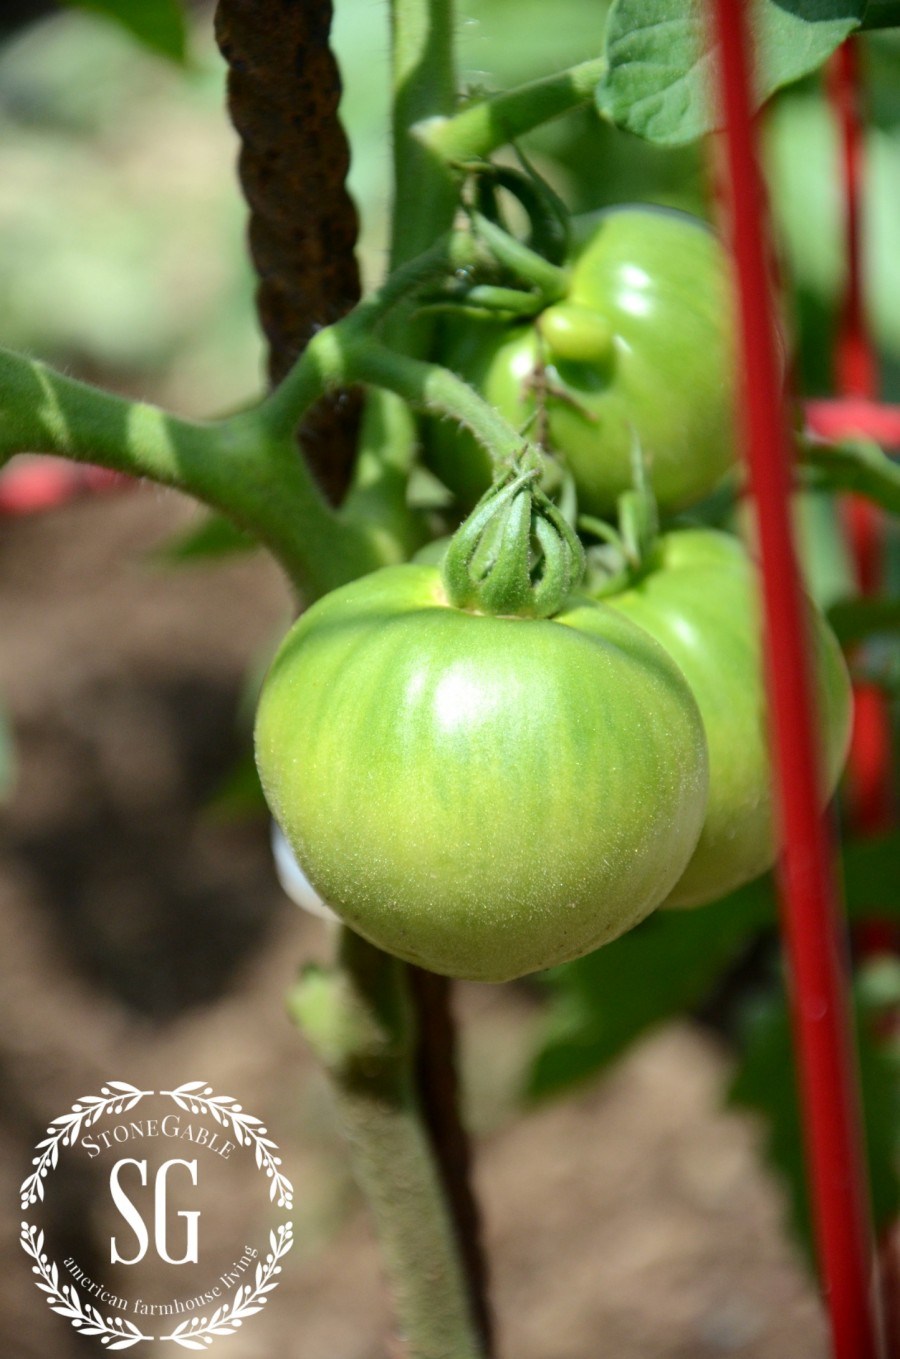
239	796
801	152
882	14
669	964
602	1003
853	620
215	536
7	766
766	1083
861	467
157	24
828	570
658	81
872	877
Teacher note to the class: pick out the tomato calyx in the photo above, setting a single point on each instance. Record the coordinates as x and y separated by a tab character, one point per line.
516	555
626	553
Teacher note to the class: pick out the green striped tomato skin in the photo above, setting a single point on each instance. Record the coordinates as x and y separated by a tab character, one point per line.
640	349
483	796
699	601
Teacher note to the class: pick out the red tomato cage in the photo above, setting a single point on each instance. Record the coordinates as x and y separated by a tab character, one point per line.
810	905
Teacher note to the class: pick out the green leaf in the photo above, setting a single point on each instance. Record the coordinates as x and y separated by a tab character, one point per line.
671	963
872	878
239	797
861	467
604	1001
157	24
215	536
7	765
766	1083
659	80
882	14
854	620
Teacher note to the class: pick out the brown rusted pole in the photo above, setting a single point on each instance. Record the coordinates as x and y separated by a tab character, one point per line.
283	95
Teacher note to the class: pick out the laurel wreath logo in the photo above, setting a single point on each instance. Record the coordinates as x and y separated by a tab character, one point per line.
196	1332
197	1098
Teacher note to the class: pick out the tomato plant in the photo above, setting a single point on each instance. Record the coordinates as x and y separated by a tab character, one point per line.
640	349
489	769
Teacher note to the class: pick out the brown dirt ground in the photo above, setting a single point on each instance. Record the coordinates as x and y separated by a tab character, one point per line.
140	940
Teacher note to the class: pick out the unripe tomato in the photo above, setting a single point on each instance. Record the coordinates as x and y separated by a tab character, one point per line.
699	600
484	796
640	349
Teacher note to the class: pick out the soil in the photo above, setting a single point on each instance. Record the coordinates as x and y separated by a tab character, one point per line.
143	938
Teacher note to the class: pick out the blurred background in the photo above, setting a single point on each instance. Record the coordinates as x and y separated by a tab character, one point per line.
143	936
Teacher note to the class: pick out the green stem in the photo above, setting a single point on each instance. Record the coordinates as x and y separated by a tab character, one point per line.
343	355
232	465
857	465
423	83
358	1018
378	492
436	390
491	301
483	127
526	264
322	363
424	86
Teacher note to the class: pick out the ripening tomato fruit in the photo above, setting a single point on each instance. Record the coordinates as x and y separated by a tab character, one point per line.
482	795
698	599
641	350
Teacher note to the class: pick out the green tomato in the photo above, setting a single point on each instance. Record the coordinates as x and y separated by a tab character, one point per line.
640	350
699	600
484	796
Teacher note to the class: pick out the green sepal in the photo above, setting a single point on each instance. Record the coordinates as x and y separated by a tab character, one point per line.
515	554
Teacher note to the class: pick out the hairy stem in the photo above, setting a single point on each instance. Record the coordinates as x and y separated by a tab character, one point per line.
359	1019
434	389
232	465
424	86
343	354
484	126
423	83
527	264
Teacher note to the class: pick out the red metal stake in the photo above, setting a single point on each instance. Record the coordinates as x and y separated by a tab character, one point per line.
31	484
846	417
810	905
856	377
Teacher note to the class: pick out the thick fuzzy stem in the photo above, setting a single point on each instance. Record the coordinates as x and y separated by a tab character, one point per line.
231	465
359	1019
483	127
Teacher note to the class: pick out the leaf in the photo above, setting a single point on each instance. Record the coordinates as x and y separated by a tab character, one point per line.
861	467
604	1001
7	764
157	24
659	78
854	620
766	1083
215	536
872	877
